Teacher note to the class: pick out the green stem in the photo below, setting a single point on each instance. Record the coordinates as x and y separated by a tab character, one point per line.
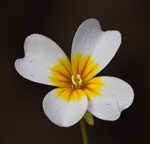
84	132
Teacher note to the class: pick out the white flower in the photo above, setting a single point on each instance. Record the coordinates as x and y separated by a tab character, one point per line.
92	49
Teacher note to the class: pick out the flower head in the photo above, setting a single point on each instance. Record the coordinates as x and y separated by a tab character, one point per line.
78	90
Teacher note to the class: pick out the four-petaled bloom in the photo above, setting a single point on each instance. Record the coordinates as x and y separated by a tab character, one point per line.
92	49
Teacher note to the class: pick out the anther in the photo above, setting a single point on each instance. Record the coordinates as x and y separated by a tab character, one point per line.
73	81
76	81
79	79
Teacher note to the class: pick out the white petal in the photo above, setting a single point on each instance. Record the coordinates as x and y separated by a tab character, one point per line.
116	95
64	113
90	40
41	54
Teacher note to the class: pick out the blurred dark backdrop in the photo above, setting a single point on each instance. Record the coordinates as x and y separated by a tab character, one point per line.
22	120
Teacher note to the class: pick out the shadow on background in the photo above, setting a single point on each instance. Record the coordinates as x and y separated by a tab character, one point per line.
22	119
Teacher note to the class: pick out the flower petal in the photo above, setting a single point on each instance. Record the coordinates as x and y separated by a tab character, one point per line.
85	66
42	56
65	106
91	41
93	87
115	96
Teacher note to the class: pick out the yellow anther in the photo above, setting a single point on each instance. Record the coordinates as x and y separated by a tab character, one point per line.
76	81
79	79
73	80
80	82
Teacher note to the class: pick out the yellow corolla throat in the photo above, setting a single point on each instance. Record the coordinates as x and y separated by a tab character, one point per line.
85	66
75	79
93	88
69	94
61	73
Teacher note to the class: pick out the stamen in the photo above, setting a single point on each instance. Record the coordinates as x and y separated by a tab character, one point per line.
79	79
76	81
80	82
73	81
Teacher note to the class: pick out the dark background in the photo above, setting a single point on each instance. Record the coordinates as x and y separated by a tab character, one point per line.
22	120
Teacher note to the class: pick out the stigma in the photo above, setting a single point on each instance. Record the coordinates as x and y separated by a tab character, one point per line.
77	82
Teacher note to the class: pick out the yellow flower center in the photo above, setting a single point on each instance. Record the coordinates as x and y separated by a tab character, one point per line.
76	79
77	82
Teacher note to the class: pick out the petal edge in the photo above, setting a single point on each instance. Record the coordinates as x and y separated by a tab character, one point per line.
61	112
116	96
41	54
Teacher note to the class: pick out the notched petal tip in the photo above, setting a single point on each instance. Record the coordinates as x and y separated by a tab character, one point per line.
41	55
100	45
116	96
93	20
89	25
118	34
32	38
34	35
130	98
115	36
17	65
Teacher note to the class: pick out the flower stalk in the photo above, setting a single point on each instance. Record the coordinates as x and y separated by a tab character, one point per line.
84	132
